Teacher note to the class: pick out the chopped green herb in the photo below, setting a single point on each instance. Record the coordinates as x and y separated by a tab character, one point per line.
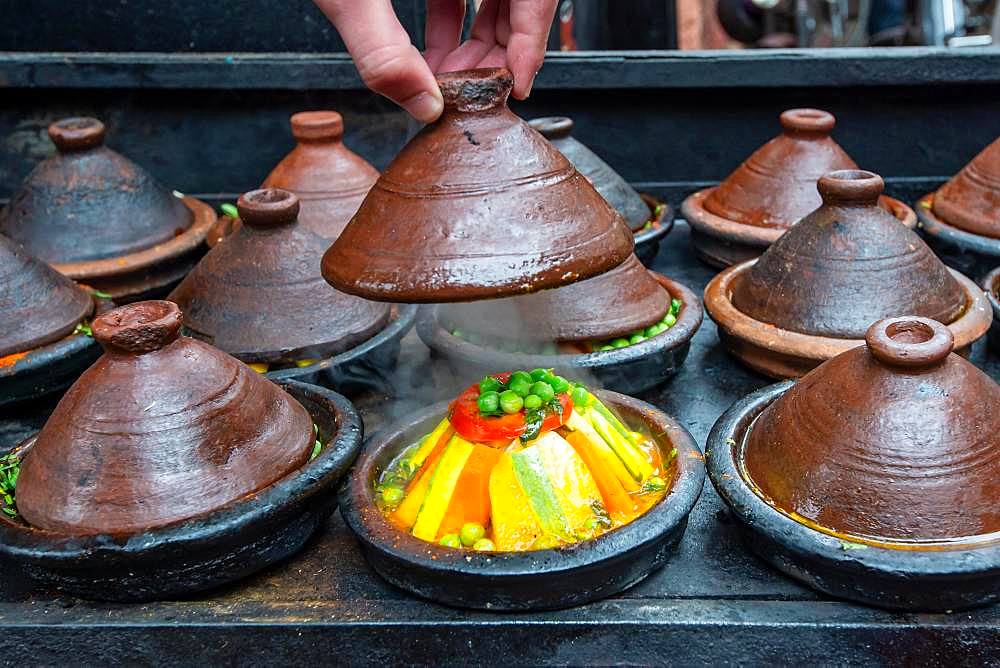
230	210
10	467
83	328
100	295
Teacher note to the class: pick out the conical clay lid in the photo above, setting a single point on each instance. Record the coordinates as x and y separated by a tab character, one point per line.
160	429
971	199
617	302
259	294
476	206
776	185
897	440
329	179
88	202
846	265
611	186
39	305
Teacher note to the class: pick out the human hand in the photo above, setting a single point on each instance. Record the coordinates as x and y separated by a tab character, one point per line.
505	33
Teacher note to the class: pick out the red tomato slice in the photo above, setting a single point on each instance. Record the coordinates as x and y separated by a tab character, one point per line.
465	418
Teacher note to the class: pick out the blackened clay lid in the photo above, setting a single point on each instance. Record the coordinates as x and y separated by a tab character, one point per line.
88	202
607	182
160	429
476	206
776	185
39	305
970	200
259	295
846	265
329	179
617	302
897	440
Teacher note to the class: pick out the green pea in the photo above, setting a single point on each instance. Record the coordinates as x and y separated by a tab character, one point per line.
540	374
230	210
522	375
451	540
675	306
619	343
605	348
532	402
544	391
650	331
520	387
636	338
488	402
670	320
510	401
471	532
484	545
558	383
489	384
580	396
392	496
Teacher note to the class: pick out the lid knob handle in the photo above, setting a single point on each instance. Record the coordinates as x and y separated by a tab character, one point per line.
476	90
910	342
814	121
317	126
850	186
269	207
77	134
138	328
553	127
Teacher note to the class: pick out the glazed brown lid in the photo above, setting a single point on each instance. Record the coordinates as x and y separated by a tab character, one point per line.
330	180
971	199
161	428
476	206
846	265
898	439
776	185
611	186
259	294
39	305
88	202
617	302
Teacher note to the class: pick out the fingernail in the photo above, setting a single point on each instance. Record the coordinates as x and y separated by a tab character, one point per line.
424	107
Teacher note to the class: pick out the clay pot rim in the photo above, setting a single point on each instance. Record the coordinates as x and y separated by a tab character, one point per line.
706	222
31	544
662	224
795	538
371	527
437	338
185	242
991	284
972	324
931	224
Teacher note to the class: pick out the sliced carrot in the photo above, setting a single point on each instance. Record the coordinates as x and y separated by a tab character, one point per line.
406	513
11	360
471	500
616	499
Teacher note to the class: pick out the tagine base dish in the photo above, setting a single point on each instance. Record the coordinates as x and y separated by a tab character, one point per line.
630	370
530	580
991	283
151	272
972	254
661	221
209	550
873	574
721	243
782	354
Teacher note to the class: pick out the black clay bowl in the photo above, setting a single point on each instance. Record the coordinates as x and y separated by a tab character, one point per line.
972	254
631	370
661	221
50	368
991	283
536	580
366	366
930	580
209	550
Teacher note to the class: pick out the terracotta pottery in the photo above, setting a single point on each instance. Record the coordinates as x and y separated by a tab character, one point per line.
101	219
814	292
632	369
161	429
875	477
222	228
772	189
649	237
211	549
607	182
617	302
533	580
991	283
260	297
39	304
476	206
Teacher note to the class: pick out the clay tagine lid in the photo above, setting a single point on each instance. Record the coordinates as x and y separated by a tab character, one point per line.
611	186
846	265
776	185
971	199
329	179
88	202
615	303
259	294
160	429
898	440
39	305
476	206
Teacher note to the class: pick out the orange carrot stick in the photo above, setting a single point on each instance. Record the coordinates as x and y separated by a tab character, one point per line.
406	513
471	500
616	499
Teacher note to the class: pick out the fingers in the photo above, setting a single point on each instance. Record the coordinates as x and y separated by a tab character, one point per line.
443	31
480	42
388	62
530	21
